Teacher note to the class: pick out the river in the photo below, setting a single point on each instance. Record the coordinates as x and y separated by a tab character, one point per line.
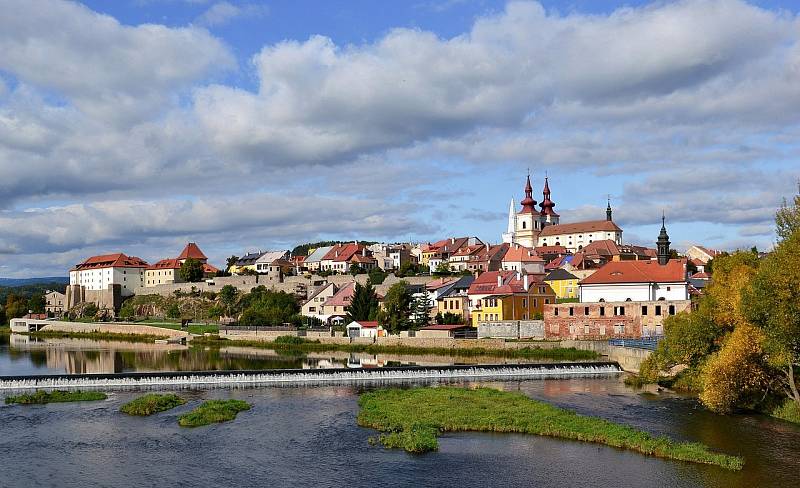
308	437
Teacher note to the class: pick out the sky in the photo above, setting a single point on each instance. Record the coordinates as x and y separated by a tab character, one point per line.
136	126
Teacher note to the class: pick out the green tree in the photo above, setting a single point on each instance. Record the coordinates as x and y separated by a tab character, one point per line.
36	303
16	306
266	307
231	261
771	303
394	316
449	318
364	304
376	276
356	269
443	269
228	296
787	218
191	271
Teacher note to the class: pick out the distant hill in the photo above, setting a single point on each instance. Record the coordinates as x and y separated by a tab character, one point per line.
12	282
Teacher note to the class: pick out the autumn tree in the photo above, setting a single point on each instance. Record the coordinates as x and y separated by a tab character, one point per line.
787	218
772	304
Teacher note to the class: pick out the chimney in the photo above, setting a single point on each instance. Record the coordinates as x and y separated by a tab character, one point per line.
499	279
452	240
525	283
364	252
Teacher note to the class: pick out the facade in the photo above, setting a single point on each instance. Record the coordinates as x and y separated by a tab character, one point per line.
365	328
578	235
563	283
274	262
702	254
432	255
246	263
313	306
97	273
55	303
314	258
508	295
335	307
341	257
522	259
608	320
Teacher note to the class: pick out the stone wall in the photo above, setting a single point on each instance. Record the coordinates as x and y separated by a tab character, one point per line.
512	329
244	283
115	328
629	358
603	320
109	299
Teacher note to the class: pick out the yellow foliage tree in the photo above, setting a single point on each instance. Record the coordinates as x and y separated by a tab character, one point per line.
723	300
736	375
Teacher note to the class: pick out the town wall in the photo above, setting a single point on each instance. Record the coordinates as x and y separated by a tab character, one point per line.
512	329
603	321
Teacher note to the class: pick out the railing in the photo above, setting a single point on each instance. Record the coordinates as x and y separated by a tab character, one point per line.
649	343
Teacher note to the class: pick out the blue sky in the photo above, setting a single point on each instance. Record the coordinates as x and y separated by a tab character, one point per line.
137	125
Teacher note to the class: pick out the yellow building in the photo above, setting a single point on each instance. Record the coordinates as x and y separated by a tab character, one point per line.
518	306
564	283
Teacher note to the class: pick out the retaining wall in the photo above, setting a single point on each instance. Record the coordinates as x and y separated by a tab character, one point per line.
629	358
512	329
116	328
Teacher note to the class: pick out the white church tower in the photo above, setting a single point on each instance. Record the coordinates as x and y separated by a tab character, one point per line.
509	234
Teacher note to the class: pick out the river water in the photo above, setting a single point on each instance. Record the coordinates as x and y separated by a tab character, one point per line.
308	437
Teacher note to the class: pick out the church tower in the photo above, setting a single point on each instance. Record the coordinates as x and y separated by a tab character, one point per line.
608	210
548	216
663	243
528	223
508	235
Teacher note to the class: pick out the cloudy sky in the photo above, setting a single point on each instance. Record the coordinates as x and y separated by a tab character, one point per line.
137	125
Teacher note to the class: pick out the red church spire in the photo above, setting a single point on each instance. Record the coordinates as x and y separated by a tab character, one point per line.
528	203
547	204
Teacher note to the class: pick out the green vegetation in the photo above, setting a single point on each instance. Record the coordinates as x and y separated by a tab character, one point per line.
396	308
191	328
152	403
412	419
363	305
16	301
305	345
449	318
789	411
97	336
191	271
741	347
213	411
41	397
266	307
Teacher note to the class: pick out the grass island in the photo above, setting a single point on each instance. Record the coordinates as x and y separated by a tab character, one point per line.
41	397
151	403
213	411
413	418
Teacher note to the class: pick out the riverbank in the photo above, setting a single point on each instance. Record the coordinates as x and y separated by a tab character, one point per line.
303	345
95	335
412	419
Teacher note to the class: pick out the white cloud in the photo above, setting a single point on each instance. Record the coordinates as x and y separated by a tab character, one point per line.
222	13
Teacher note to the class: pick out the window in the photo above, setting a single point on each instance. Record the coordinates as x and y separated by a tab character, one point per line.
586	329
555	311
571	311
672	309
644	309
547	300
658	309
586	311
669	288
602	311
523	224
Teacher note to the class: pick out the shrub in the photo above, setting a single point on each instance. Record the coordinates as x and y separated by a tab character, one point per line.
152	403
213	411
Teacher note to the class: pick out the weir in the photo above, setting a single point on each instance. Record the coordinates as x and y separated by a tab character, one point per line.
309	377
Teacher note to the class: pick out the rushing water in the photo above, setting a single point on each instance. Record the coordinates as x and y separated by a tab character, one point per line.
307	436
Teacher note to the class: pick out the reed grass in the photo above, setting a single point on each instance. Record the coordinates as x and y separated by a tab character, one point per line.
412	418
41	397
151	404
213	411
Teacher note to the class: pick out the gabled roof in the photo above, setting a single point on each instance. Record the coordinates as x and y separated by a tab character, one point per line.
580	227
486	283
270	257
342	297
365	324
318	254
551	250
439	283
521	254
615	272
560	274
117	260
176	264
192	251
319	290
344	252
249	259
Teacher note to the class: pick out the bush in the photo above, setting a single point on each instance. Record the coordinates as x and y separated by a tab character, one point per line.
152	403
213	411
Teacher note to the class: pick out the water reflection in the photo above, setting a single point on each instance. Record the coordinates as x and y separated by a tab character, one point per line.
23	355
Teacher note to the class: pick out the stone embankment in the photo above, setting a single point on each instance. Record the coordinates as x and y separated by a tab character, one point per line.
115	328
629	358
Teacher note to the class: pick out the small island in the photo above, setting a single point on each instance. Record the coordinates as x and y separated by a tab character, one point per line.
151	404
413	418
41	397
213	411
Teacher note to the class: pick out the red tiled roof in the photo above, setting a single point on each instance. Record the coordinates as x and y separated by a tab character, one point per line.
166	264
522	254
358	258
35	316
342	297
550	250
367	324
584	227
438	283
701	276
638	272
192	251
343	252
117	260
486	283
208	269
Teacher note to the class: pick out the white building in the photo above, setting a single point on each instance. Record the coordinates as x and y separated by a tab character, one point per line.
637	281
578	235
97	273
313	306
364	329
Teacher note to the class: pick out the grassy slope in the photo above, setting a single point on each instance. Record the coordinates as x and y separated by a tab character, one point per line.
57	396
151	403
213	411
567	354
98	336
412	418
192	329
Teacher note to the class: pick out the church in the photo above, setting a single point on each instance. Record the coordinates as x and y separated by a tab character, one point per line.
538	227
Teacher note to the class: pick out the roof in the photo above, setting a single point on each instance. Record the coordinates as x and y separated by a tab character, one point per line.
318	254
512	282
607	247
118	260
358	258
551	250
318	291
638	272
576	227
560	274
192	251
439	283
701	276
270	257
445	327
366	324
208	269
249	259
522	254
176	264
342	297
344	252
35	316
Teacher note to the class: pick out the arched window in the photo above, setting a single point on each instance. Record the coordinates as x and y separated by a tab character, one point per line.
628	300
524	224
661	299
602	299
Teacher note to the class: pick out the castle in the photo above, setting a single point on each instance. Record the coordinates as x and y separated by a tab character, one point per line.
532	227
